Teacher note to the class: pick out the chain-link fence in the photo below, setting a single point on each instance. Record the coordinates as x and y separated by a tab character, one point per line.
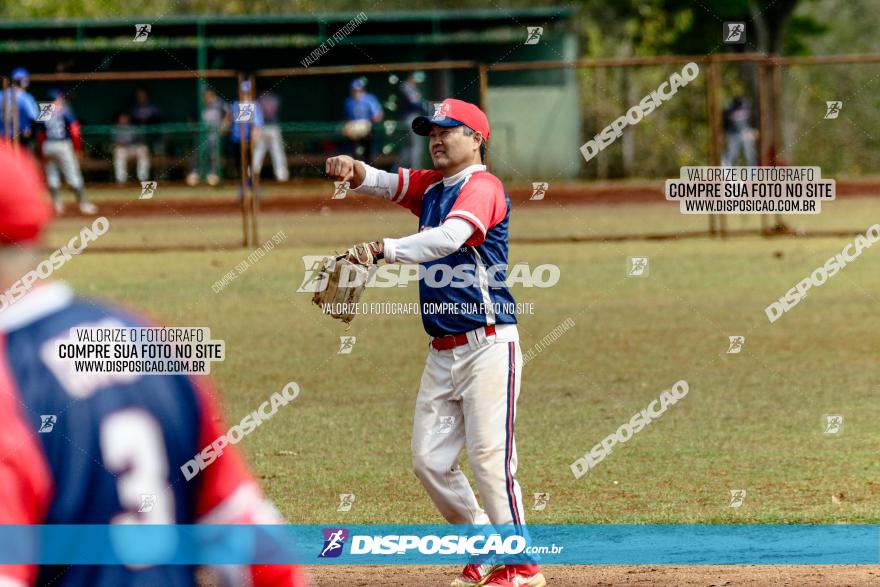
550	124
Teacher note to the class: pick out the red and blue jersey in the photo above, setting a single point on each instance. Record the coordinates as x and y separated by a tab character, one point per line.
477	293
81	448
61	125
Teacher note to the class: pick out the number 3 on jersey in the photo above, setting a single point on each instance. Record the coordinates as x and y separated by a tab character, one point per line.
134	451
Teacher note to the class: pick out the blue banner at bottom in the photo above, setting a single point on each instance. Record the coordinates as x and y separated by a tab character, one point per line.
440	544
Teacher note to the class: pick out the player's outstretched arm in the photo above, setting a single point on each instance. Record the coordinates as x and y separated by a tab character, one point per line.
405	188
365	179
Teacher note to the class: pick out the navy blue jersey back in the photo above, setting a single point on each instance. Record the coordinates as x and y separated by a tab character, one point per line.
110	443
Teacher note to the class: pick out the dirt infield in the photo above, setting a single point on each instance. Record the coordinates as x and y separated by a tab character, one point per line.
608	576
312	197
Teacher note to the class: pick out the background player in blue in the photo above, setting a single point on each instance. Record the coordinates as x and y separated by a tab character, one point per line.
471	380
28	110
361	111
252	121
83	448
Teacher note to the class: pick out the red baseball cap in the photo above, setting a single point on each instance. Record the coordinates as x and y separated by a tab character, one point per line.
452	112
24	208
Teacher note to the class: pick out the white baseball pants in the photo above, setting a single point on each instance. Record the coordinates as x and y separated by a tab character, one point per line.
60	154
270	140
467	399
123	153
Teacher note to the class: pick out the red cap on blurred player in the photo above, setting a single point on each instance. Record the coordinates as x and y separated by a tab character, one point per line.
24	208
452	112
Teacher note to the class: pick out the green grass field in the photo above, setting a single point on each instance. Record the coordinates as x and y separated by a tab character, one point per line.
751	421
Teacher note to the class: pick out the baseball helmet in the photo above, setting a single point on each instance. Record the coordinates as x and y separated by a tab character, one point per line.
19	75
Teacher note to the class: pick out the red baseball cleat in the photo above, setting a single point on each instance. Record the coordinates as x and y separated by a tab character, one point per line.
475	575
517	576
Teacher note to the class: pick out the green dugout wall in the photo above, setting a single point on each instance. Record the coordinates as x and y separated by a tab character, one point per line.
523	135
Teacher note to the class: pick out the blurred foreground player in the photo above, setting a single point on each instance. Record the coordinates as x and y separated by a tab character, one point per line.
110	439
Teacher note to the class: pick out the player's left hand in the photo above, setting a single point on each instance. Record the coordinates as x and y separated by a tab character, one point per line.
366	253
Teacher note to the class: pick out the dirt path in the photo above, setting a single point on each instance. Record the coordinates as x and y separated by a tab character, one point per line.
611	576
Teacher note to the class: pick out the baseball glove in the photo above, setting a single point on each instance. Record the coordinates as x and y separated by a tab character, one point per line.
356	130
343	282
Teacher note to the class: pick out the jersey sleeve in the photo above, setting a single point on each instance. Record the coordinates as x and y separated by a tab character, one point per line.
25	479
412	185
30	107
481	202
229	494
75	132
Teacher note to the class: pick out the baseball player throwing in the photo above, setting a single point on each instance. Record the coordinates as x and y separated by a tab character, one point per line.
471	380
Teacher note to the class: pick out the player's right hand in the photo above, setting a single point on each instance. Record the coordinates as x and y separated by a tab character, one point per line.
340	167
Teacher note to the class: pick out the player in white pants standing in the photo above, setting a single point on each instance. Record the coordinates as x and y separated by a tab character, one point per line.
60	134
470	385
271	140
